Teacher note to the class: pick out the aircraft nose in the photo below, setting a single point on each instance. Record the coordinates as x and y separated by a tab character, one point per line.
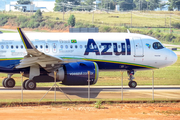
172	57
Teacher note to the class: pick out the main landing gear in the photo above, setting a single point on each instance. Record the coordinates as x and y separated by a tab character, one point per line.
8	82
29	84
132	84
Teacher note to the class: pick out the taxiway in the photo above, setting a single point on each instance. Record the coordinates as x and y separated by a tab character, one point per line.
96	92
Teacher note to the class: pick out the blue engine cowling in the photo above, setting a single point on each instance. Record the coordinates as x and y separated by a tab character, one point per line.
77	73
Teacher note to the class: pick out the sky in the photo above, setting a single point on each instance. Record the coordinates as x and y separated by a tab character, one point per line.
3	2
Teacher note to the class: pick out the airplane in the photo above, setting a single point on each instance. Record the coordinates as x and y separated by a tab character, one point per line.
72	55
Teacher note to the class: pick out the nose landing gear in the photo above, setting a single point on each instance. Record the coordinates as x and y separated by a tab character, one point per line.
132	84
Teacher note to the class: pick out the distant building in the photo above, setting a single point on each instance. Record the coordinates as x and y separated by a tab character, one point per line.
117	7
46	6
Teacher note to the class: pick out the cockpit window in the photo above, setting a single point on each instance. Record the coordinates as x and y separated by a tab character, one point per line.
157	45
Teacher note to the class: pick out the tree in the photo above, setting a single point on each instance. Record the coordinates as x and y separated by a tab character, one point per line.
38	15
173	4
126	5
147	4
108	4
22	2
72	21
89	2
62	5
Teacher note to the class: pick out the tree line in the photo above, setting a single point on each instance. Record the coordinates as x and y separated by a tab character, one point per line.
111	4
124	5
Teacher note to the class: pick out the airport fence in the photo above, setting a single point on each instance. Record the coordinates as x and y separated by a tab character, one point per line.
153	90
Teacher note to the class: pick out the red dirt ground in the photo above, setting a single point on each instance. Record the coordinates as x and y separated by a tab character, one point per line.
156	111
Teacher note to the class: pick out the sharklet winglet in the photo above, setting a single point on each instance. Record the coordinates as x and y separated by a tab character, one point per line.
27	43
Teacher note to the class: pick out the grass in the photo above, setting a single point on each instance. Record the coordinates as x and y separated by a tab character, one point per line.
37	30
6	31
169	112
98	101
139	19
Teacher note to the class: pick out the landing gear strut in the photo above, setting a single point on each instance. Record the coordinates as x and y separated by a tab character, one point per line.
8	82
132	84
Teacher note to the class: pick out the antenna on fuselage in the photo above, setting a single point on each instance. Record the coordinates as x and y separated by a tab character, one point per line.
128	31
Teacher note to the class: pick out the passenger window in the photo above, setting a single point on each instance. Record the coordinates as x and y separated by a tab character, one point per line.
61	46
21	46
66	46
109	46
46	47
16	46
2	47
119	46
41	46
7	46
76	46
81	46
157	45
12	46
99	46
85	46
36	46
114	46
71	46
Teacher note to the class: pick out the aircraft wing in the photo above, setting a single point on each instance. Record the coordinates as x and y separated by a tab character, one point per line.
35	57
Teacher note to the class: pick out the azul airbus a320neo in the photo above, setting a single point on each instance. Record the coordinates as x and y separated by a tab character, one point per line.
71	55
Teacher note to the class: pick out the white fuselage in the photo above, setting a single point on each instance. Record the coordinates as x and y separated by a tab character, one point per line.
98	47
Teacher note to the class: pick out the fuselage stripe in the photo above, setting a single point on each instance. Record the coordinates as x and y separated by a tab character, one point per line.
109	61
93	60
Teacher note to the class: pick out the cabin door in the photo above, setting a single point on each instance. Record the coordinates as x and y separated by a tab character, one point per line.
138	47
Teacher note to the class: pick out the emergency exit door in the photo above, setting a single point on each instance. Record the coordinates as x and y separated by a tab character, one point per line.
138	47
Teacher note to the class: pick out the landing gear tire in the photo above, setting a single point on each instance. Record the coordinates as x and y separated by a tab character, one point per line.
3	82
24	84
30	85
9	82
132	84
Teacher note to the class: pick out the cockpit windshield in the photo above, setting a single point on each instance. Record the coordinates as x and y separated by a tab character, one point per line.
157	45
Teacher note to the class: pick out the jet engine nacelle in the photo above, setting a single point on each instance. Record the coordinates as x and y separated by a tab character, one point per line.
77	73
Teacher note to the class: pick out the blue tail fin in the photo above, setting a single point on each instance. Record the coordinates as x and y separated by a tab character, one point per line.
27	43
